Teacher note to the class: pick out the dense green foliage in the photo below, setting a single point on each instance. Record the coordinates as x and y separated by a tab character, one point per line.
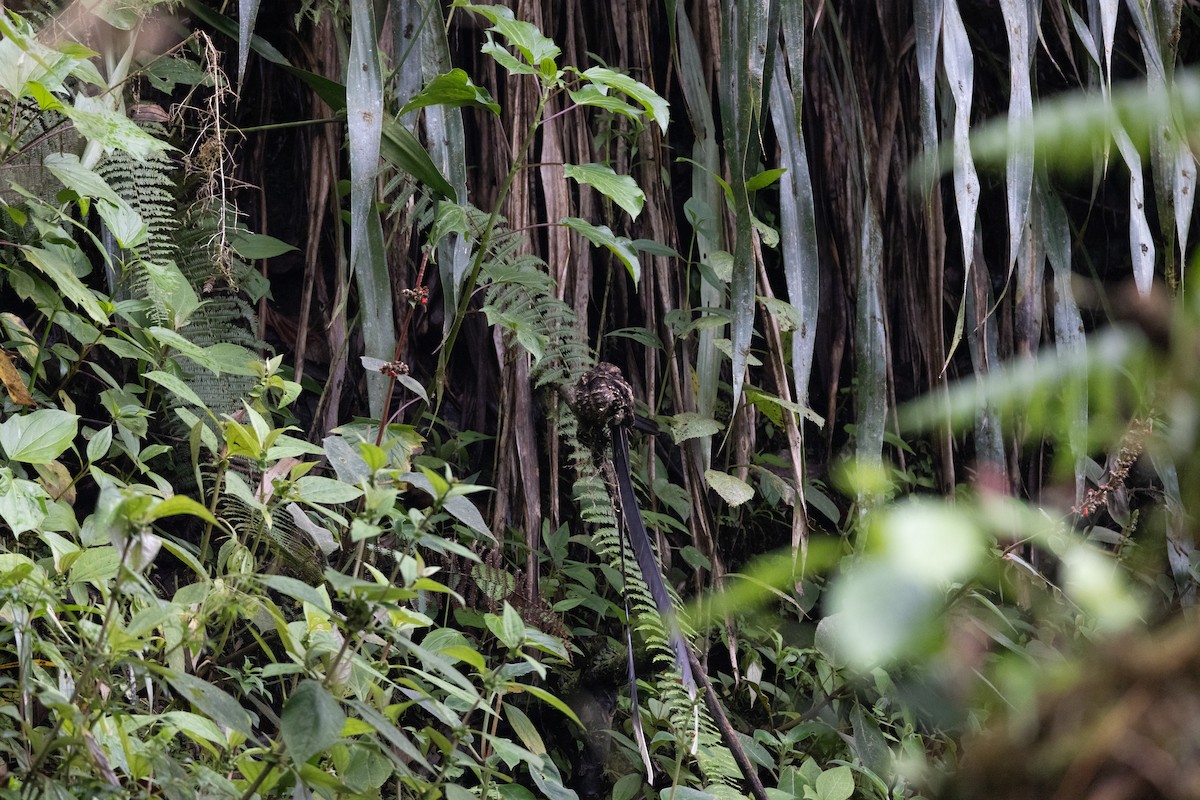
293	497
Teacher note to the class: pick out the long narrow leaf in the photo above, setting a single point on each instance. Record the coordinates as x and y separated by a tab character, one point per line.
798	231
364	120
1069	339
1171	158
1020	25
1181	543
960	73
870	342
702	210
748	32
1102	14
927	25
1141	244
247	12
983	344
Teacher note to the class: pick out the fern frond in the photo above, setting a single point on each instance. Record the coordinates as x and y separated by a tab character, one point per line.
224	315
148	185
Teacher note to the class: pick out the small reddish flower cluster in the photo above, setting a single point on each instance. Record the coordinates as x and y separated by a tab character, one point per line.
394	369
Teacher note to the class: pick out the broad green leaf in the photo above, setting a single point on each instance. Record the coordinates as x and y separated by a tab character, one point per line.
764	179
627	787
175	386
98	445
551	700
297	590
684	793
97	119
311	721
621	189
389	733
26	62
602	236
508	627
514	626
38	437
19	569
454	88
83	181
253	246
402	148
733	490
346	461
549	781
465	512
187	557
773	407
215	703
22	502
411	383
690	425
591	94
95	565
537	50
125	224
231	359
525	729
193	726
171	339
179	504
656	107
835	784
51	261
325	491
869	744
170	291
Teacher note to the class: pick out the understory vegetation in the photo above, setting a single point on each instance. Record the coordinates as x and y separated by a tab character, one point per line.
301	495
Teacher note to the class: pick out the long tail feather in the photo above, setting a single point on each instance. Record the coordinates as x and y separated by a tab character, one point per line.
647	562
639	735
